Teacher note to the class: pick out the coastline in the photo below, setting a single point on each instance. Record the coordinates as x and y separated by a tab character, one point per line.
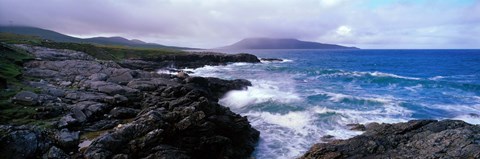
124	110
112	111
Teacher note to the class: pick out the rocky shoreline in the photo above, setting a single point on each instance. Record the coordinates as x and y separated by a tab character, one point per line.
89	108
100	109
413	139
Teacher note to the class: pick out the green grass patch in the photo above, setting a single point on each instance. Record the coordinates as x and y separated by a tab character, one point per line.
93	135
101	52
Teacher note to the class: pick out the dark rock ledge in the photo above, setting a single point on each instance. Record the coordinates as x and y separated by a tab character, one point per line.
99	109
413	139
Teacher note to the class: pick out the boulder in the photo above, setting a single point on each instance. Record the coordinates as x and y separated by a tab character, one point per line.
98	77
55	153
86	111
120	76
67	139
22	142
26	98
123	113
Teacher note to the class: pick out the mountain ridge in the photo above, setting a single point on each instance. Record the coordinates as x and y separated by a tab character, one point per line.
281	43
59	37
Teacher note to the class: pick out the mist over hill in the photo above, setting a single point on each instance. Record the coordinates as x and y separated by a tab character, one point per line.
271	43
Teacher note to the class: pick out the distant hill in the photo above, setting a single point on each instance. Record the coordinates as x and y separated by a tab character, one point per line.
58	37
270	43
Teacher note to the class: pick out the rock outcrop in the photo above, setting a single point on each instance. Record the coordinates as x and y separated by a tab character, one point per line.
188	60
413	139
99	109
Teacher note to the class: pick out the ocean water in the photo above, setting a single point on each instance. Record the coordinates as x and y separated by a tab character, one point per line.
314	93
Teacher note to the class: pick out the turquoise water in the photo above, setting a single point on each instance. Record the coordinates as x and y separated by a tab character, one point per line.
315	93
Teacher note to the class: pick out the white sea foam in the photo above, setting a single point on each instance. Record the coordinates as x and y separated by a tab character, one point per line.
414	88
291	134
381	74
457	108
436	78
472	119
288	135
362	74
261	91
337	97
166	72
298	121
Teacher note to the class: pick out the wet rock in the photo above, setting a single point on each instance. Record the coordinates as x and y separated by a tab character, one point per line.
357	127
414	139
85	111
182	75
119	99
123	113
168	152
26	98
271	59
327	138
120	156
67	139
55	153
188	60
67	121
102	125
22	142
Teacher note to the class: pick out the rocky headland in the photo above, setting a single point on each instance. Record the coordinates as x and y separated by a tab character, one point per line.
413	139
88	108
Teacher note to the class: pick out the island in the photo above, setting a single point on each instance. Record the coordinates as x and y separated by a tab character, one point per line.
271	43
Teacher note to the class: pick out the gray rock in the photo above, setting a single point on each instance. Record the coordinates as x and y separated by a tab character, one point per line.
414	139
123	113
55	153
22	142
26	98
55	54
67	121
120	156
98	77
79	96
65	83
87	110
116	89
41	73
119	99
56	92
67	139
120	76
143	85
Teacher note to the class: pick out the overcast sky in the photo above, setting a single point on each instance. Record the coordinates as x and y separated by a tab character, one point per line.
214	23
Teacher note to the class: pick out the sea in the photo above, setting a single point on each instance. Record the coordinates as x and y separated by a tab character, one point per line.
316	93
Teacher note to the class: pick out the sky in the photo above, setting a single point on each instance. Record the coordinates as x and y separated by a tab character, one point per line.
369	24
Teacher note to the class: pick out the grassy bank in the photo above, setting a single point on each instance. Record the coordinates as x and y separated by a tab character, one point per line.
101	52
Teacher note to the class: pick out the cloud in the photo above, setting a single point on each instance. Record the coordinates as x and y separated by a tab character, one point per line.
212	23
